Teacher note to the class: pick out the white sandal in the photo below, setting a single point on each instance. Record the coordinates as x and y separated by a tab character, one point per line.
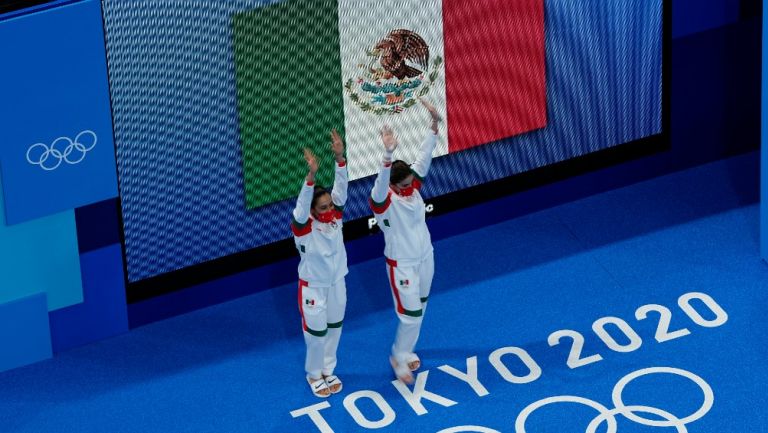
402	372
414	358
317	386
331	380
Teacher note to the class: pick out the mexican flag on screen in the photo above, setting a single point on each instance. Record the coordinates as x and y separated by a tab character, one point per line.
305	66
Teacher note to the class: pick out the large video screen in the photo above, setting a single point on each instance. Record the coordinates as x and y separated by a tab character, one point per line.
213	102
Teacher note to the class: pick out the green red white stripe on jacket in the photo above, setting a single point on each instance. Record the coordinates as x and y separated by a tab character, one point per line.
380	208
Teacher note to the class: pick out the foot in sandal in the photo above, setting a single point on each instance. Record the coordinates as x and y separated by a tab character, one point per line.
402	372
333	382
414	363
319	387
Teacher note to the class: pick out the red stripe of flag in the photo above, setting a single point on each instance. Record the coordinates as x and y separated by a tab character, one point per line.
494	76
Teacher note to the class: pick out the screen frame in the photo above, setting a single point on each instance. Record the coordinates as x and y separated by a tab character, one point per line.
13	8
265	255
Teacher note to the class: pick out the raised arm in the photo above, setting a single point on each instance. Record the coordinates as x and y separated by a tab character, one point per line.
380	192
340	181
420	168
304	202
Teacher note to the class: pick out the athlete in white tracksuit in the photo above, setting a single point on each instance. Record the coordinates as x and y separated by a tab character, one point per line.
317	231
400	213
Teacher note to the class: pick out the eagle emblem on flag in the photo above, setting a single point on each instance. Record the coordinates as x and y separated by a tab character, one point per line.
397	71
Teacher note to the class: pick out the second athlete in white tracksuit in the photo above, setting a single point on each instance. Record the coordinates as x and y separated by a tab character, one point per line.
408	248
323	266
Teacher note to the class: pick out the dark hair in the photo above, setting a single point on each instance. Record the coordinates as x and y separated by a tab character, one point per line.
400	170
319	192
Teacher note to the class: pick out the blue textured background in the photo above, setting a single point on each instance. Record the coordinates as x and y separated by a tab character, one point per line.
177	134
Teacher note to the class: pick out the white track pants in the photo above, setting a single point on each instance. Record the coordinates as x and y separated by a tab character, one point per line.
322	313
410	291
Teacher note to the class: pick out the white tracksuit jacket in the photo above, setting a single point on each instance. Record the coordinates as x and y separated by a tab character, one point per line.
402	219
321	245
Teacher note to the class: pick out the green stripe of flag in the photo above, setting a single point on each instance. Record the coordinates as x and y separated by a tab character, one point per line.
289	94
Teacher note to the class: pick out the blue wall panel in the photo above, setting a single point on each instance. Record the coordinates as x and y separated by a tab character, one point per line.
103	311
24	332
56	151
98	225
40	256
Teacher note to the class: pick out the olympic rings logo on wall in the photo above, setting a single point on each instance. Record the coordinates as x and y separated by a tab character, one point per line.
63	149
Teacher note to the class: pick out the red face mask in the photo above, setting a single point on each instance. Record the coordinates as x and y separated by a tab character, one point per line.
407	192
326	217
